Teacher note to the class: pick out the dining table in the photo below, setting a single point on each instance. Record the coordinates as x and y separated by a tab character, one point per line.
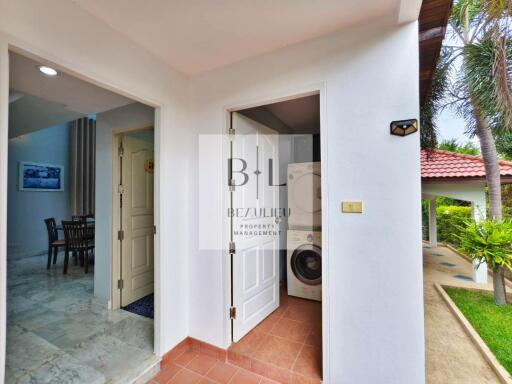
90	222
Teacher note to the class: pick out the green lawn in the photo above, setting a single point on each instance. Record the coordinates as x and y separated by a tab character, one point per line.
492	322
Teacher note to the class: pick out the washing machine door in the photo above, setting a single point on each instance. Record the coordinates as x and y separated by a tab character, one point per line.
306	193
306	264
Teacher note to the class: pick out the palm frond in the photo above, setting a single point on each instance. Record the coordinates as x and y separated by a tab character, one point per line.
434	102
466	11
497	9
487	75
501	75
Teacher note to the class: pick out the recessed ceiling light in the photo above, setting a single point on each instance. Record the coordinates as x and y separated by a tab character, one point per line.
48	71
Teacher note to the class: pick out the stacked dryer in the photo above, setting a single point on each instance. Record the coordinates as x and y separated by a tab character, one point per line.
304	256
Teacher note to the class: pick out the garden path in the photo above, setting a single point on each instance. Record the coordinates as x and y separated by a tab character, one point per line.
451	357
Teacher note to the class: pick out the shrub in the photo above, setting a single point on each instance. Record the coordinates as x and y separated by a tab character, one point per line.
450	222
488	242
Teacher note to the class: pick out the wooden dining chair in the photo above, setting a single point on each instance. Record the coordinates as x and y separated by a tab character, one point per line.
53	241
77	242
83	218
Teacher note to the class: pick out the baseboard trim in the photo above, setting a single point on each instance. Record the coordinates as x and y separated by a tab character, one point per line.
191	344
101	303
24	255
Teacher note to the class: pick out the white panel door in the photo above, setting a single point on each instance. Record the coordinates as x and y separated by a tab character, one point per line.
256	260
137	258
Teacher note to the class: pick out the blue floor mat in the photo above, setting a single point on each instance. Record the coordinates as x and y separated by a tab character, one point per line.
144	307
436	254
464	277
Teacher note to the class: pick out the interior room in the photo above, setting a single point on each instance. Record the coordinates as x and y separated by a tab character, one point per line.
61	221
287	342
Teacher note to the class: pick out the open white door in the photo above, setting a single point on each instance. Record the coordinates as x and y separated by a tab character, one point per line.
255	263
137	246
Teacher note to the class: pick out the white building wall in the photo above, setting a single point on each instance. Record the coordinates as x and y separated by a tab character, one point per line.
368	76
4	144
472	192
131	116
64	34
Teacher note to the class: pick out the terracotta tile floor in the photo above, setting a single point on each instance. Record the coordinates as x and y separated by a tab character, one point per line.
284	348
287	345
195	368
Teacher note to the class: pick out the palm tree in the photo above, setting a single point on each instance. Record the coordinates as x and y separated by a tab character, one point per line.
473	77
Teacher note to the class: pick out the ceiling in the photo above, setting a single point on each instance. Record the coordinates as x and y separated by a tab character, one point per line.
296	116
198	35
38	101
30	113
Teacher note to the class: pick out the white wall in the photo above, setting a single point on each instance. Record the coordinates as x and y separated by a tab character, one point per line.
368	77
73	40
26	231
373	292
4	140
132	116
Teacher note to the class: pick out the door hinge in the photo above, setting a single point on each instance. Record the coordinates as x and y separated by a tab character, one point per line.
120	235
232	247
232	313
231	133
232	185
120	284
120	189
120	150
154	229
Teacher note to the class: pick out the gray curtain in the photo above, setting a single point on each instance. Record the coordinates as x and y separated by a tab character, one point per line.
82	171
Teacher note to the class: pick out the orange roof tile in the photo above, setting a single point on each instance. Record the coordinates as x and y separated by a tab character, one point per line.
443	165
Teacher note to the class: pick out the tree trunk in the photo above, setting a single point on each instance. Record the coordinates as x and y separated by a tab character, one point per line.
492	174
500	289
492	167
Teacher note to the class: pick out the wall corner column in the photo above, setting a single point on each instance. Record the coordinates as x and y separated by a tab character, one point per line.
478	213
432	223
4	127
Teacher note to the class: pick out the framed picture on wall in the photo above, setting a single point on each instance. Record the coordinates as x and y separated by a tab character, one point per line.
41	177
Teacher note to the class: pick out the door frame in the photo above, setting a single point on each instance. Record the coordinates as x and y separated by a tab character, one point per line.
315	89
11	44
116	260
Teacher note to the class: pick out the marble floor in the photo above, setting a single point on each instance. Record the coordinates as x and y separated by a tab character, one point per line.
57	332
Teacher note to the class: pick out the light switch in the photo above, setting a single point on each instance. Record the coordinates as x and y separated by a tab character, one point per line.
352	206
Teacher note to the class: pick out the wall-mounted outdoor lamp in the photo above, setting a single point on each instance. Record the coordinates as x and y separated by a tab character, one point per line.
403	127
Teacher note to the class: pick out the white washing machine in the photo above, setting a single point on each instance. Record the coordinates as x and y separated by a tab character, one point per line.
304	196
304	264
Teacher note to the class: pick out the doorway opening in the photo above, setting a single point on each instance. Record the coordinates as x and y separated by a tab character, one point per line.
133	224
275	239
59	295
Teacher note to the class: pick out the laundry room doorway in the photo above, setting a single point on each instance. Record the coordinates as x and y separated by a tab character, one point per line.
274	172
